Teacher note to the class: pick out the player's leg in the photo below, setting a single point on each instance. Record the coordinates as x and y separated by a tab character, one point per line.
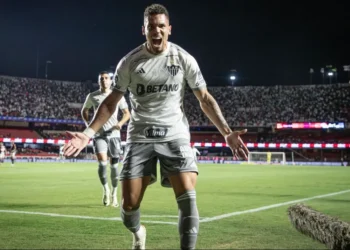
13	158
114	150
137	173
184	188
179	170
101	148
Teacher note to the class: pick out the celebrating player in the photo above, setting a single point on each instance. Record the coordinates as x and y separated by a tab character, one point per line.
156	74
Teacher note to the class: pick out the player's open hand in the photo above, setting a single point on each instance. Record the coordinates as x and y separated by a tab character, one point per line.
76	144
236	144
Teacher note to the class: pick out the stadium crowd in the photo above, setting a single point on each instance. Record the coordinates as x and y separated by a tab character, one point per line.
242	106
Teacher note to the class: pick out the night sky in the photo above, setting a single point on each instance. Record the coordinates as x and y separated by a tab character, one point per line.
267	42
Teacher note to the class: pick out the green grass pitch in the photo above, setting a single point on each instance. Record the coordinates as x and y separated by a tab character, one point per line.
58	206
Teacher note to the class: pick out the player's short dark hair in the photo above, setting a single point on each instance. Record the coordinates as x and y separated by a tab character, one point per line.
103	72
155	9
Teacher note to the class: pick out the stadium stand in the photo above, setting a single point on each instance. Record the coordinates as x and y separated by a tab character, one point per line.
256	108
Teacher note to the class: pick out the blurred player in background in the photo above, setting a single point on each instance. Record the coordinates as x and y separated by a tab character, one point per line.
268	156
13	151
195	152
107	141
156	74
61	154
2	152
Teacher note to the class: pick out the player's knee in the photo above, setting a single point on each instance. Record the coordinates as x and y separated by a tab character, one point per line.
130	206
131	203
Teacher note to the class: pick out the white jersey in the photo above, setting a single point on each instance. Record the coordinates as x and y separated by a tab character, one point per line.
61	150
94	99
157	87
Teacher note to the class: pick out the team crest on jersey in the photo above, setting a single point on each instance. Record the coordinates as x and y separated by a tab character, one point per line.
173	69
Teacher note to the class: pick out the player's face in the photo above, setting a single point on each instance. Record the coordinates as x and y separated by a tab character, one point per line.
105	81
157	30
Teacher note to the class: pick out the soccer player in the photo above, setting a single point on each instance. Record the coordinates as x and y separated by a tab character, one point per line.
268	156
2	152
156	74
107	141
61	154
195	152
13	151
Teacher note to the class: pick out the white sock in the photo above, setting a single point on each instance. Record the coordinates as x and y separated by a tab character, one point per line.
106	189
114	191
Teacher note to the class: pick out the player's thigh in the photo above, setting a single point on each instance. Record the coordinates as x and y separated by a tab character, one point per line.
114	147
182	182
133	191
139	170
178	166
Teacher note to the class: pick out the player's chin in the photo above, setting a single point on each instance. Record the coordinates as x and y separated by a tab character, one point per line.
158	48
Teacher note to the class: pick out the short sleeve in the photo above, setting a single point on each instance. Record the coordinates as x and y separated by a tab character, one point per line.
193	74
123	104
122	76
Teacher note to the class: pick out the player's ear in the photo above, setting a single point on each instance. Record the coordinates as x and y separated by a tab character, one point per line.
143	30
170	29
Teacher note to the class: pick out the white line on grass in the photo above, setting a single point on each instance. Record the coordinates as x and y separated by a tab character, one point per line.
219	217
82	217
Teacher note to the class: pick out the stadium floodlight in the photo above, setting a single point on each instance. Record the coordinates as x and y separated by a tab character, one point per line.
110	74
330	74
232	78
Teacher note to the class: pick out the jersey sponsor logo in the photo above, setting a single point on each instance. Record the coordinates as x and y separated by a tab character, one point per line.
142	89
155	132
173	69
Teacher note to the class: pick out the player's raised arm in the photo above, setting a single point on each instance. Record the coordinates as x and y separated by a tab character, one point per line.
213	112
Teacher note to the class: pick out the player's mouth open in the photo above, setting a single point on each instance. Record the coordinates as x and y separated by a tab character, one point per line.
156	41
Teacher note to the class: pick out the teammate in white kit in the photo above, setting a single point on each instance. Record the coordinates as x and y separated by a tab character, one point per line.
2	152
107	141
156	74
61	154
13	151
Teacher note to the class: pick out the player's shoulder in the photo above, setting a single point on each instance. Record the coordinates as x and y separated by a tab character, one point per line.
181	53
135	52
133	56
178	49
